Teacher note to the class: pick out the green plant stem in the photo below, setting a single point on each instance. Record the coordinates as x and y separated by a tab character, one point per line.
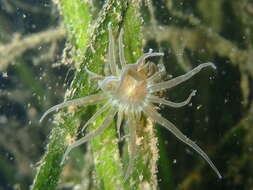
109	171
145	168
77	19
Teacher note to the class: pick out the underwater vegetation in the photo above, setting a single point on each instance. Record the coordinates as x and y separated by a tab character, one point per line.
57	51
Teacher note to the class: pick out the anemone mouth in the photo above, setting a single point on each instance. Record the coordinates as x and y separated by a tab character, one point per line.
132	92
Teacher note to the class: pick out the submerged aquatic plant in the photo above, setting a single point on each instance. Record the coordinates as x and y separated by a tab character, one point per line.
130	91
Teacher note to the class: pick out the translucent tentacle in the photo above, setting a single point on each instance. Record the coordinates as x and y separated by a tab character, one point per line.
121	50
155	99
85	101
150	112
146	55
92	134
94	76
131	125
157	76
112	59
95	116
174	82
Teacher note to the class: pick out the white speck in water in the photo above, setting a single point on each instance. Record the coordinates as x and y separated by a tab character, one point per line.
5	75
198	107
